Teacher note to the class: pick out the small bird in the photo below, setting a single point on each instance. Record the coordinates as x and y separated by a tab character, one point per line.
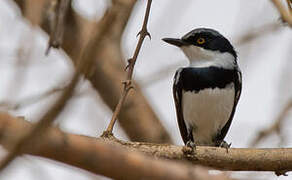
206	92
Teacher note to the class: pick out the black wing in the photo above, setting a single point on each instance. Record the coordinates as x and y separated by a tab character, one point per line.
177	94
237	86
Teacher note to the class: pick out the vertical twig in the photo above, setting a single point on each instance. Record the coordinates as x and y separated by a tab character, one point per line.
130	67
58	10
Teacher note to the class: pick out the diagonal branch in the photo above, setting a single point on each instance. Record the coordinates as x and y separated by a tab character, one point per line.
83	65
286	14
42	125
128	83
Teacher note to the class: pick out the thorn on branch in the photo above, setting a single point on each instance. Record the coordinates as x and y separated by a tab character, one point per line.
130	62
145	33
130	87
148	34
126	83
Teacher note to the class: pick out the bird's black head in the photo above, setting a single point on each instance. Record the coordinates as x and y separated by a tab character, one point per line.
208	39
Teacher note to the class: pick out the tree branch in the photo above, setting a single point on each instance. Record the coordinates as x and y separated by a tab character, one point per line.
100	156
107	73
128	83
289	4
57	23
75	149
83	65
286	14
42	125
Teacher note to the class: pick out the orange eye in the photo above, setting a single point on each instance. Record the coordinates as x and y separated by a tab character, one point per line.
201	40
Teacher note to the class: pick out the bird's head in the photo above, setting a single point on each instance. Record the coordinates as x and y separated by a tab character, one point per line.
206	47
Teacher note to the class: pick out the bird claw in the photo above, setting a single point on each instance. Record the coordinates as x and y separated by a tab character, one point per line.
225	145
189	147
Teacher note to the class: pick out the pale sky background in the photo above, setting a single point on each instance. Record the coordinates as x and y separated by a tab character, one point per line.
265	65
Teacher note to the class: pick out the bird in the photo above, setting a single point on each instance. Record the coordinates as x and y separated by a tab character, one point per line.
206	92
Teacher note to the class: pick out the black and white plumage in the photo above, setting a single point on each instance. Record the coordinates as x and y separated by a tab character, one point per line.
207	92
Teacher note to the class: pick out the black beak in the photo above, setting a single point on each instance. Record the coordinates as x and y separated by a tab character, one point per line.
176	42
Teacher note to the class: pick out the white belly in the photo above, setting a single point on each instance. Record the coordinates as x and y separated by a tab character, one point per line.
207	112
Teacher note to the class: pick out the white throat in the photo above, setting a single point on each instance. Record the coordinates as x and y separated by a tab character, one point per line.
200	57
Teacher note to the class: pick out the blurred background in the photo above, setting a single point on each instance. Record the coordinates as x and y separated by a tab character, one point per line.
31	81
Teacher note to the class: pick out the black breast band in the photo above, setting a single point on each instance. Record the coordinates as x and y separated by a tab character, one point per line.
196	79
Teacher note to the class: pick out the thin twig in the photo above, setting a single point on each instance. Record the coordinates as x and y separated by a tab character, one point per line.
286	15
130	67
58	12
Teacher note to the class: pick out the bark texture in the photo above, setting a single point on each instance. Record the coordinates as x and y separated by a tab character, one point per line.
85	152
100	156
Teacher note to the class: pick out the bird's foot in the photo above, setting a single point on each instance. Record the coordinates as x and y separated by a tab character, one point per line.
225	145
189	147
